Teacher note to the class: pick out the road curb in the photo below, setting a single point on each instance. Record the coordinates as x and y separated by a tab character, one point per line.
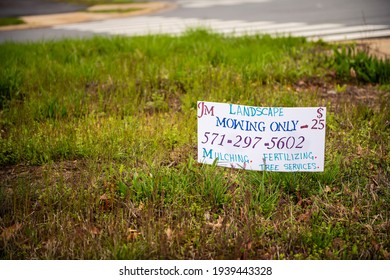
379	48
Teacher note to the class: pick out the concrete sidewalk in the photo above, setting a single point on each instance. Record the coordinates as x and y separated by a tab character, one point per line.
376	47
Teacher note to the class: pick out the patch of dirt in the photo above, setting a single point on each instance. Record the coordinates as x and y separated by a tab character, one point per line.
68	170
342	93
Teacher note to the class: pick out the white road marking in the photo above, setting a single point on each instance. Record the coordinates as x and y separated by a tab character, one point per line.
145	25
213	3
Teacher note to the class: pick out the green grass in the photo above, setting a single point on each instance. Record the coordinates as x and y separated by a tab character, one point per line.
358	65
10	21
98	152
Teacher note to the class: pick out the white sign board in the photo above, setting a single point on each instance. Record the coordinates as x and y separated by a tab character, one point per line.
262	138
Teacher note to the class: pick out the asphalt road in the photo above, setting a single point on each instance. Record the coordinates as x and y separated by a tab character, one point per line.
362	18
17	8
351	12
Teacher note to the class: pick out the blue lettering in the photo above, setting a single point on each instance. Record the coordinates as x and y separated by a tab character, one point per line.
221	123
207	154
284	126
249	111
241	124
231	112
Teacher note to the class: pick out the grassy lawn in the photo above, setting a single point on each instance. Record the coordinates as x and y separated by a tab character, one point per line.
10	21
98	151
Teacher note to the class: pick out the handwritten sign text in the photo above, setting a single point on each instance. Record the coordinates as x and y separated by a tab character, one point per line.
262	138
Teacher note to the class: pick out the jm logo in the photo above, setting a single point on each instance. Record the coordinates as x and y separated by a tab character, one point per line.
204	110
